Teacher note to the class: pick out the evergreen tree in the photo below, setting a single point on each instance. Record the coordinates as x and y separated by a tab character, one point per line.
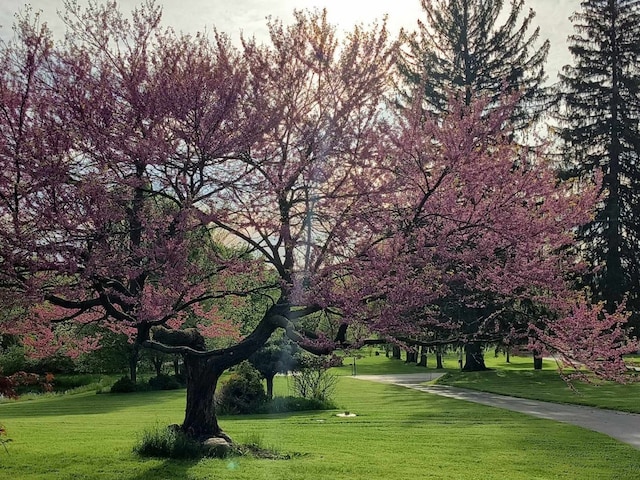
599	114
463	47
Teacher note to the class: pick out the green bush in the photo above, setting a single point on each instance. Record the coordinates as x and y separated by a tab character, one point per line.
164	382
167	442
295	404
123	385
12	360
243	393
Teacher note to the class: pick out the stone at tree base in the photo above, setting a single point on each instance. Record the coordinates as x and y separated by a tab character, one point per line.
216	447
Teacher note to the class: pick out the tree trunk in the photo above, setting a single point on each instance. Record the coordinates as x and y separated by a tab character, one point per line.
474	358
423	357
411	356
157	364
133	362
176	366
396	352
439	364
537	360
439	360
200	421
269	379
508	355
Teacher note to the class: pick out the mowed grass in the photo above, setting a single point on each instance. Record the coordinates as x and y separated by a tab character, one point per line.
397	433
518	379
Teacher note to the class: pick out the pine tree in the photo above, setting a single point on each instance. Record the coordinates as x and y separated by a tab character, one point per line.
599	113
463	47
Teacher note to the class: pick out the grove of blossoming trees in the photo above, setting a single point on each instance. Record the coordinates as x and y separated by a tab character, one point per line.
145	174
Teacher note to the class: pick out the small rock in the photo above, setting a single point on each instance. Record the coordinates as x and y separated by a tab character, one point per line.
216	447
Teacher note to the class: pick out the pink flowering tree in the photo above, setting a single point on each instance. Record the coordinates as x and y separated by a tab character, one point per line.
150	181
146	175
477	252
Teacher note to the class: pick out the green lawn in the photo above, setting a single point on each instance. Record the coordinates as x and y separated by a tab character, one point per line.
398	433
519	379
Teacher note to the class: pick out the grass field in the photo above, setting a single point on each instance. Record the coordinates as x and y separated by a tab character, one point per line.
519	379
398	433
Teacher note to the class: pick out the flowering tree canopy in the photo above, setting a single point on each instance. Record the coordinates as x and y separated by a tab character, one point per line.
147	174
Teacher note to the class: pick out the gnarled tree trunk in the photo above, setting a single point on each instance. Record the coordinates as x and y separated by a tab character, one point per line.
200	421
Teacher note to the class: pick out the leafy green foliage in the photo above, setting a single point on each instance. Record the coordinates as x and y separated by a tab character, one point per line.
295	404
243	392
123	385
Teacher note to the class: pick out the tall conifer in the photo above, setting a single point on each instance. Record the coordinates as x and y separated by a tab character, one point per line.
599	114
476	47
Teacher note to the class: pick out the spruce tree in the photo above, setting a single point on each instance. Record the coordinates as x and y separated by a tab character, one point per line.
599	114
472	47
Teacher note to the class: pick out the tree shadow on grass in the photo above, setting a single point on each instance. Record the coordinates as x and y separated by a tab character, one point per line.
169	468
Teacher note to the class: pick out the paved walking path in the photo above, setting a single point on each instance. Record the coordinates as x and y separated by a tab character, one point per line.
619	425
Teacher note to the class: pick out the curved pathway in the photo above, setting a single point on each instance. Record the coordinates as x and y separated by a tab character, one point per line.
619	425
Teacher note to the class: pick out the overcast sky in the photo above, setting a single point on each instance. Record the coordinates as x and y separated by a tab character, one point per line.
248	16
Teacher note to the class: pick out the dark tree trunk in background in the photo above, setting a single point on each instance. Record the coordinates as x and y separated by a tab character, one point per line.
537	360
396	352
474	358
423	357
439	359
269	379
157	361
176	366
508	355
133	362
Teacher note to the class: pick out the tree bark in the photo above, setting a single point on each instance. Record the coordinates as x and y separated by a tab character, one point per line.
439	360
423	357
157	364
537	360
411	356
474	358
176	366
200	421
133	362
269	379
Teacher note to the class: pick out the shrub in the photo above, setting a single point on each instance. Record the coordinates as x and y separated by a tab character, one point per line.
313	380
167	442
123	385
243	392
13	360
295	404
164	382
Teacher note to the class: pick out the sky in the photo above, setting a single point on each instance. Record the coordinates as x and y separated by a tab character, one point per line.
249	17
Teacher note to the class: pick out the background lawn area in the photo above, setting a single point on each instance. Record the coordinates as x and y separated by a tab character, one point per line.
516	378
398	433
520	380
